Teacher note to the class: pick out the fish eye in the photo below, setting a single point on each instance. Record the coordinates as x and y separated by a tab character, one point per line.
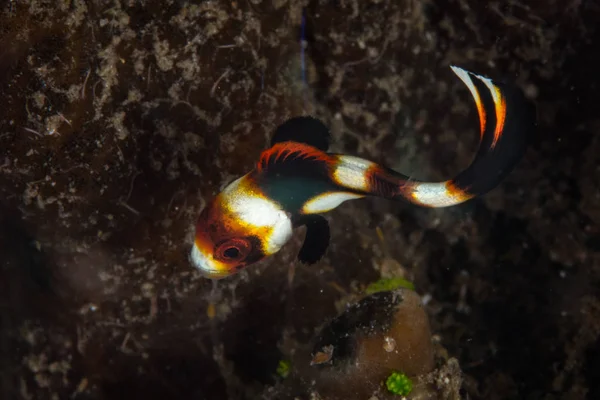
232	250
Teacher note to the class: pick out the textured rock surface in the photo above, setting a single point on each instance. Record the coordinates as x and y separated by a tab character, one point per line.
382	333
119	119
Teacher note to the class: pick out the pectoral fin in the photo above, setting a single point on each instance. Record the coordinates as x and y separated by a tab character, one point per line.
316	240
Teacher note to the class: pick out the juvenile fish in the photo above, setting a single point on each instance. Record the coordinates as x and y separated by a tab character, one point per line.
296	180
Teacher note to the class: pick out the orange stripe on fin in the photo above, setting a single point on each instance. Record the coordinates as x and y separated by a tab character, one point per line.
289	151
482	116
499	108
466	78
500	115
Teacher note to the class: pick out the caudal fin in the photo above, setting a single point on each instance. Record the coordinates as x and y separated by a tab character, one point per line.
507	121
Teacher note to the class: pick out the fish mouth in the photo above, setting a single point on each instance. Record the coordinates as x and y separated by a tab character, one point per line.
206	265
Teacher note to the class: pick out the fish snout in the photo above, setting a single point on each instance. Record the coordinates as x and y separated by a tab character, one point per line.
206	264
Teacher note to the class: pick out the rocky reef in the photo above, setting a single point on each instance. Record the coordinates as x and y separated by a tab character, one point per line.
382	336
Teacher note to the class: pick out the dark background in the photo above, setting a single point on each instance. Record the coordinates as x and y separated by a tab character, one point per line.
119	120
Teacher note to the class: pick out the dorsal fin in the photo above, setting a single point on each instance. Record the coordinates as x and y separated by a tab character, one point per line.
306	129
289	153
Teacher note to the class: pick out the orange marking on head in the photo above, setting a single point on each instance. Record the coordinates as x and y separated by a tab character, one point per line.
238	228
500	116
218	229
280	152
222	214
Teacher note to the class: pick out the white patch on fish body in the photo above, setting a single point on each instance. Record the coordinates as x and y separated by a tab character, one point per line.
281	233
255	210
436	195
351	172
327	202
